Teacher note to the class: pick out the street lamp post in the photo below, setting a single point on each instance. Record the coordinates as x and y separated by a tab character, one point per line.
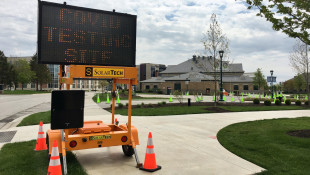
271	72
221	52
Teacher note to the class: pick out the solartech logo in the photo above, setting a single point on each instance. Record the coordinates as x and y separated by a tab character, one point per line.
104	72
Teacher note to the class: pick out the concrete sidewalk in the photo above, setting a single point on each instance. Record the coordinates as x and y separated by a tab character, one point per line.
184	144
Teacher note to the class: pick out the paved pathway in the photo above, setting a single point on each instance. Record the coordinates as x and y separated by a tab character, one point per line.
184	144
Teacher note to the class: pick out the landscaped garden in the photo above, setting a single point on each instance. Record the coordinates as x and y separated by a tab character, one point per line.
281	146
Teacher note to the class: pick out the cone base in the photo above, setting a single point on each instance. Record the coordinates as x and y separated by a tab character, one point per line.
150	170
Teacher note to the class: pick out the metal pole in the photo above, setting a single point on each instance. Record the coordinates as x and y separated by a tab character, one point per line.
221	89
271	86
64	155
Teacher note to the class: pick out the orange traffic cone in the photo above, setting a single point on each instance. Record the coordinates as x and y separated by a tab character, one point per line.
54	167
41	141
150	160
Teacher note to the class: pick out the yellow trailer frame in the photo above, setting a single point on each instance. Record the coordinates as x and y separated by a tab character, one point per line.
114	137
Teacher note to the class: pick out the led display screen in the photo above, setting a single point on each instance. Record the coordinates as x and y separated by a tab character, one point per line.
82	36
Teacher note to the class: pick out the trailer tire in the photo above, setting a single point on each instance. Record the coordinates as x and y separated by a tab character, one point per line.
128	150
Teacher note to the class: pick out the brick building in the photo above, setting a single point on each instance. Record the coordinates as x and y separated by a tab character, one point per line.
196	76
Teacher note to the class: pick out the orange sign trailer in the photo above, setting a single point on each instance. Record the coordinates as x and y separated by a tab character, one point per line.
96	134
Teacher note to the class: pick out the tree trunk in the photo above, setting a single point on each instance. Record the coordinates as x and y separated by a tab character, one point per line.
37	86
307	75
40	86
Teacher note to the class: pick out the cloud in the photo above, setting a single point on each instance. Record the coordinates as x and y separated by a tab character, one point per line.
168	32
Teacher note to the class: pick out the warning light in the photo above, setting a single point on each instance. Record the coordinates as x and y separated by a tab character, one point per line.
124	139
73	144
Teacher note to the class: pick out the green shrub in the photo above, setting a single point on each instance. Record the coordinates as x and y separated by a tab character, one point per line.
138	106
150	105
256	101
267	102
288	102
142	104
120	105
126	104
278	102
306	102
159	103
298	102
163	102
159	91
138	91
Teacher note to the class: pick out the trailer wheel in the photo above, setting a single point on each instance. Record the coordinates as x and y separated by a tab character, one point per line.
128	150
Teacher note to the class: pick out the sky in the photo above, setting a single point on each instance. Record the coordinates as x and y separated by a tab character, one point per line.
168	32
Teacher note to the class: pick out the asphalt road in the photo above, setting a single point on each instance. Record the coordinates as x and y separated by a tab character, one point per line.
14	106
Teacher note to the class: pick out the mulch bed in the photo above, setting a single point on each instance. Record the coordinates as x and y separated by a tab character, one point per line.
146	105
300	133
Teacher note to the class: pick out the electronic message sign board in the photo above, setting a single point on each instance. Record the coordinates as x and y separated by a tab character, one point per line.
83	36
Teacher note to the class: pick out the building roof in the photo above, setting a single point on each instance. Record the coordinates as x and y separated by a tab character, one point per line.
237	79
198	77
191	76
201	64
153	80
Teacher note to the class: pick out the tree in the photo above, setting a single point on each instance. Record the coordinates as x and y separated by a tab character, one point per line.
24	73
103	84
292	17
289	86
4	68
299	83
300	61
11	79
259	79
42	73
213	41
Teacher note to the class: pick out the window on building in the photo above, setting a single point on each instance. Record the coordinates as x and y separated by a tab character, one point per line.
177	86
147	87
236	87
33	85
73	83
153	71
83	83
246	87
25	85
87	83
78	84
255	87
155	87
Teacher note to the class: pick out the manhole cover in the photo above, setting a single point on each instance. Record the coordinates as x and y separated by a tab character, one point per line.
7	136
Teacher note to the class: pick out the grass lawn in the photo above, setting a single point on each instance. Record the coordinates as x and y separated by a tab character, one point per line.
103	97
179	110
34	119
266	144
45	117
21	159
261	108
19	92
174	110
